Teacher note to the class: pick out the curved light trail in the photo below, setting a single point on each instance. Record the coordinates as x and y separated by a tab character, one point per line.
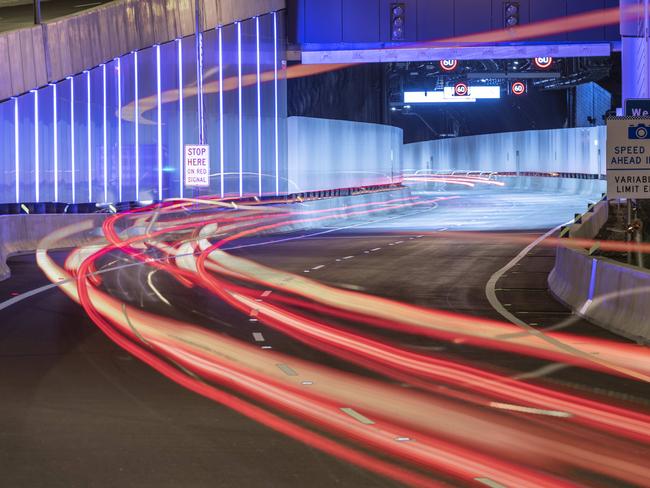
456	422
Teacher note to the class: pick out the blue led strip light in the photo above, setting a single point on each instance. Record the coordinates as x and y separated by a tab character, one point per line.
259	109
241	125
119	127
180	116
17	152
159	99
55	125
221	122
89	127
137	129
72	152
275	83
36	149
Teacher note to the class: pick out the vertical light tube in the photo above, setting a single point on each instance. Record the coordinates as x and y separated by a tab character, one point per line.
37	175
72	155
90	152
181	150
105	135
259	109
17	152
221	121
275	100
159	102
137	129
119	127
55	124
241	115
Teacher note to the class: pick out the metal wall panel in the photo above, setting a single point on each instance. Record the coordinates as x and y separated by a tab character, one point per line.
580	6
435	20
472	16
361	21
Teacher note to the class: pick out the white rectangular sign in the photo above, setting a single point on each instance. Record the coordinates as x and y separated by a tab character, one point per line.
197	165
628	157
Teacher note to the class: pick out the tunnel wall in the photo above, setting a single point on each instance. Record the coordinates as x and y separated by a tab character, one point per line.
38	55
327	154
117	132
575	150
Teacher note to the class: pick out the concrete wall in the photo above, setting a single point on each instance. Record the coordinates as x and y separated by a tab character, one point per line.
610	294
35	56
578	150
22	233
328	154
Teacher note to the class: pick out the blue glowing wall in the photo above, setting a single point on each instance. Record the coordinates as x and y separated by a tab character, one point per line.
116	132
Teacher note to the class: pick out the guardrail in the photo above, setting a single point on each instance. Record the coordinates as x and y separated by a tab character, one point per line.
610	294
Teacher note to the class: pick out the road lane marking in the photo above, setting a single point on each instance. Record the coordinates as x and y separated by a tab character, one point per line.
357	416
375	249
348	257
403	439
266	293
536	411
267	347
318	267
287	370
307	382
489	482
258	336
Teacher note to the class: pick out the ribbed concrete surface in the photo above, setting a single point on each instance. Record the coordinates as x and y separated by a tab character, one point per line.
50	52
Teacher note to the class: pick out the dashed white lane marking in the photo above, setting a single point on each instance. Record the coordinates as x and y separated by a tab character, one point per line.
287	370
307	382
375	249
266	293
489	482
320	266
357	416
267	347
258	336
306	271
403	439
399	242
348	257
536	411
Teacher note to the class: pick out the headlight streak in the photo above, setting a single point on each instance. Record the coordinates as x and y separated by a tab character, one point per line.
461	457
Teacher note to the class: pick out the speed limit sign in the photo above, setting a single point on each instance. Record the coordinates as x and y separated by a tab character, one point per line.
461	89
518	88
448	64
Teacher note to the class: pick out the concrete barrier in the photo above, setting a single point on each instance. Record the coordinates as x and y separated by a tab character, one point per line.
22	233
610	294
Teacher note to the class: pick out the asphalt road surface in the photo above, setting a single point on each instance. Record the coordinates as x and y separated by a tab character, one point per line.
77	410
